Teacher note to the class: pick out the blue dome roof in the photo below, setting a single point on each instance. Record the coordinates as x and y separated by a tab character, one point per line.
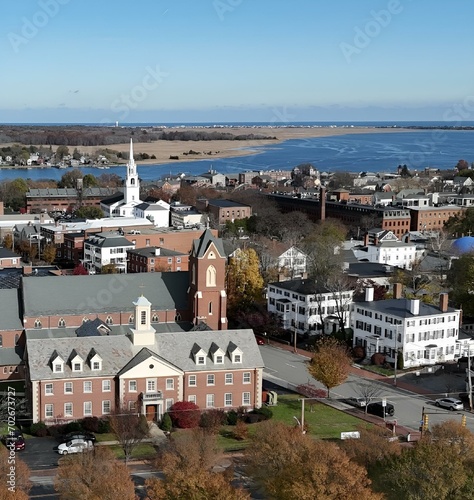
464	244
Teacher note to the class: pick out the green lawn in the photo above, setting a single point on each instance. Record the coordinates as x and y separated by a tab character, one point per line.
108	436
142	451
324	422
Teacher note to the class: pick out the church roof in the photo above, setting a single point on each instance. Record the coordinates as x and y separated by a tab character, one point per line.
201	245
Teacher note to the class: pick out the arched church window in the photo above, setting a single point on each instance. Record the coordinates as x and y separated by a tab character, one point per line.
211	276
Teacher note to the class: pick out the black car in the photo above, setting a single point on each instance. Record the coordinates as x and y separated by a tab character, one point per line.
378	409
86	436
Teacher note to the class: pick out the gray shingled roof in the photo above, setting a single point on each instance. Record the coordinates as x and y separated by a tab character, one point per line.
176	348
108	240
9	311
103	293
201	245
150	252
401	308
115	354
11	356
303	286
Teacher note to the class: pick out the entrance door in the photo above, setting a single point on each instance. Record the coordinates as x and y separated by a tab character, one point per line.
151	413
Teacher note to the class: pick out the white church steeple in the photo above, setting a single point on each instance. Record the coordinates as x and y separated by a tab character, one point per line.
132	184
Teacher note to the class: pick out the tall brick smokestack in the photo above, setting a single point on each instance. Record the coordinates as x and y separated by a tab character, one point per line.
322	203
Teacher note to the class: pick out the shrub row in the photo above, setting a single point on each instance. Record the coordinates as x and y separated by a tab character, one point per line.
90	424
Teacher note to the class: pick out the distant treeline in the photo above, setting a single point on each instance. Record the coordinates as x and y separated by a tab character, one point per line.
98	136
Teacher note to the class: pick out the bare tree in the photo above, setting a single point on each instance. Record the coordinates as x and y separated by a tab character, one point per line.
130	429
368	391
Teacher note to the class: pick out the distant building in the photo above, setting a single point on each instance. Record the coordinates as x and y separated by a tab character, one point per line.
107	248
224	210
156	259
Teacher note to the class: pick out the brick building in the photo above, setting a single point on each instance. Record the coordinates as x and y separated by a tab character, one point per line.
432	218
156	259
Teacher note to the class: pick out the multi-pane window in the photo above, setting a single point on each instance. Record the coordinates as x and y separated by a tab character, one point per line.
229	378
49	411
209	400
48	389
246	378
150	384
192	398
169	384
105	385
169	403
246	398
68	409
88	386
201	360
87	408
219	359
96	365
210	379
105	407
237	358
192	381
228	399
67	387
132	386
58	367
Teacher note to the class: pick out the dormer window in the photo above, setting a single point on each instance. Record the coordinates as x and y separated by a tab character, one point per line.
237	358
77	367
201	360
96	365
57	363
235	353
219	359
95	361
76	361
58	367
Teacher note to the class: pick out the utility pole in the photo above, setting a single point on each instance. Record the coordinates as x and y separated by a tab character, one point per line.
396	356
469	374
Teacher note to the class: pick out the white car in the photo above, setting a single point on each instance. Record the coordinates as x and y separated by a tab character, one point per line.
75	446
450	403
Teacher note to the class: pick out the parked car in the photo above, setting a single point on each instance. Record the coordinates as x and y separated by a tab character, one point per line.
377	408
260	341
85	436
358	402
75	446
14	439
450	403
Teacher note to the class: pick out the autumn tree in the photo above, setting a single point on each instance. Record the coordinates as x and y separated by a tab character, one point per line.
21	482
89	213
330	364
130	429
90	180
69	179
49	253
244	281
302	467
187	462
461	223
373	446
8	241
92	476
321	247
461	279
440	467
80	270
61	152
184	414
109	269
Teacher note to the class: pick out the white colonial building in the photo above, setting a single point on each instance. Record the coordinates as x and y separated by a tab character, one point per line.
308	307
158	213
386	248
424	334
106	248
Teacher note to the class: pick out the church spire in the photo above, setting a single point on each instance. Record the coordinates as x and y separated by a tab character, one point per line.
132	167
132	186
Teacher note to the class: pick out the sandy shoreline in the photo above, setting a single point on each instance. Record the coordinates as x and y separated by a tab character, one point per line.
229	149
163	150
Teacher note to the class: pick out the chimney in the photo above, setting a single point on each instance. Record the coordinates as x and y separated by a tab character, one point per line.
366	239
369	294
414	306
397	290
443	302
322	203
157	251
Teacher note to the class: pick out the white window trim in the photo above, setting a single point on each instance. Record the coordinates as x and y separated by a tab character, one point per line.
249	376
50	405
84	408
225	399
103	385
214	379
72	410
46	387
130	386
231	377
150	391
84	386
72	388
169	387
192	378
103	405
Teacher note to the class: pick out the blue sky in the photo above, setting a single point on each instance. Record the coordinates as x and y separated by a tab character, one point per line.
235	60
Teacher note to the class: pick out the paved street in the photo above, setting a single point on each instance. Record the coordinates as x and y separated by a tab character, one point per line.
289	370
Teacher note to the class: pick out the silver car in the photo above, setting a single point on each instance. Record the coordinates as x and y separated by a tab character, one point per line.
75	446
450	403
